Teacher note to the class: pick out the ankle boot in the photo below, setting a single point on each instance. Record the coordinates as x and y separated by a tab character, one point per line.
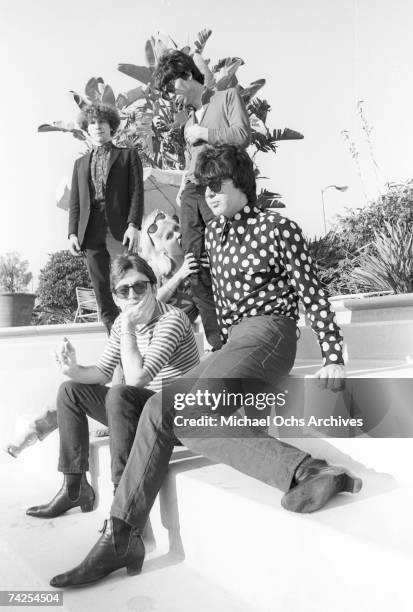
105	558
315	482
63	502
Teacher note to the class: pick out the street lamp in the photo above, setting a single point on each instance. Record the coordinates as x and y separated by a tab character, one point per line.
339	188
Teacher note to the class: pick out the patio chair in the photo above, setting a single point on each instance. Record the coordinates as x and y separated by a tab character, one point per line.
87	307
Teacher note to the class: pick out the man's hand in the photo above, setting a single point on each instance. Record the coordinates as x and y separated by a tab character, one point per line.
331	377
131	238
66	358
195	133
190	266
74	246
137	314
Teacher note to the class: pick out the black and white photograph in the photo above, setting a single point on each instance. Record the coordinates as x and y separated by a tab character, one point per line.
206	306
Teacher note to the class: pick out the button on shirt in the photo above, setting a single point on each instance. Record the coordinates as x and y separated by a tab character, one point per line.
260	265
99	162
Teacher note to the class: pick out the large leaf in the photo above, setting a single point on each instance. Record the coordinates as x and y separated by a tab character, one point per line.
149	53
92	89
250	91
61	126
108	97
201	40
285	134
80	101
227	61
259	108
203	67
140	73
186	50
269	199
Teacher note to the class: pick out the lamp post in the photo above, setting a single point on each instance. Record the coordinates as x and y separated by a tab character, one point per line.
339	188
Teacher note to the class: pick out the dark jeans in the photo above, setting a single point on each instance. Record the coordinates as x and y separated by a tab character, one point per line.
119	407
195	214
261	347
100	246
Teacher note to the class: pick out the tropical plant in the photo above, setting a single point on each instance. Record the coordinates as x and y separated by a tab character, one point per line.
153	124
57	288
388	265
14	274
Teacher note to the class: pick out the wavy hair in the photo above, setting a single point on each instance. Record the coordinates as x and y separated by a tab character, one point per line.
174	65
102	112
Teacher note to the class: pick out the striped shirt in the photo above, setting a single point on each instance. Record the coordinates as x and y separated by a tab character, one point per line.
167	345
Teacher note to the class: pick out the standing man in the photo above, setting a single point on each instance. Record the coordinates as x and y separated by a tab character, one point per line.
216	117
261	267
106	203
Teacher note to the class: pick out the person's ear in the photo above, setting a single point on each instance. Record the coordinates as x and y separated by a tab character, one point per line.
116	300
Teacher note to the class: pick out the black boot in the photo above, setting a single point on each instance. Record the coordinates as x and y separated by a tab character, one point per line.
315	482
63	501
105	557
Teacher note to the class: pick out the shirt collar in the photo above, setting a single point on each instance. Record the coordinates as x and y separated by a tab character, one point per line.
105	147
249	211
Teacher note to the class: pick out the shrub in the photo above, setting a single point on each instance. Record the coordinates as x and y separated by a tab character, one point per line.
57	288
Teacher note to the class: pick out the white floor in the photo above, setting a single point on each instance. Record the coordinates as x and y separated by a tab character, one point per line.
243	551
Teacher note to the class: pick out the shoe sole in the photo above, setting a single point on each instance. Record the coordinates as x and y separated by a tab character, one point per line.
313	495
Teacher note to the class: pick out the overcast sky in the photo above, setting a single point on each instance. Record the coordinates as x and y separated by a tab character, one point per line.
319	58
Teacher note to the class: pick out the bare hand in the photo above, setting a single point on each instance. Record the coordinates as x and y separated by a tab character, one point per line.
179	195
331	377
190	266
195	133
74	246
138	314
66	357
131	238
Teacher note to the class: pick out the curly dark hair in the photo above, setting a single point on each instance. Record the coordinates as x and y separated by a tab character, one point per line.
130	261
99	110
175	65
227	161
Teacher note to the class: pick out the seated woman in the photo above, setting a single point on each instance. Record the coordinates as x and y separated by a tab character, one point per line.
156	344
161	247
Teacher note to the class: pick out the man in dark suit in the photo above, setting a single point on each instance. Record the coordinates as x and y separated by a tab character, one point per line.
106	203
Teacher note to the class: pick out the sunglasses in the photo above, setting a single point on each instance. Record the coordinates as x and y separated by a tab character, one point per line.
214	185
159	217
139	288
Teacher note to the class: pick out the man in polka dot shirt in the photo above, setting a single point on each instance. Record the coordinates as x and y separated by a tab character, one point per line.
259	260
260	268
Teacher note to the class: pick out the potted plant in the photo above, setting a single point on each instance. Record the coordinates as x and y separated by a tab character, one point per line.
16	303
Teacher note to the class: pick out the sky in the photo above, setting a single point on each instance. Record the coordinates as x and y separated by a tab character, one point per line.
318	57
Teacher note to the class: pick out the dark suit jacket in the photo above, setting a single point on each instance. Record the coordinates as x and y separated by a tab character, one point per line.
124	193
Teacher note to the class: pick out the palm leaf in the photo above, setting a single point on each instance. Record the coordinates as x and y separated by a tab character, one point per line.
250	91
108	97
60	126
201	40
150	54
140	73
80	101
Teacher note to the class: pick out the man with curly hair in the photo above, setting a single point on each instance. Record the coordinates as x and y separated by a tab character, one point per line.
106	202
216	117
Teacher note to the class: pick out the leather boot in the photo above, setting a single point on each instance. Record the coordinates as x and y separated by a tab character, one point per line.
315	482
104	559
63	502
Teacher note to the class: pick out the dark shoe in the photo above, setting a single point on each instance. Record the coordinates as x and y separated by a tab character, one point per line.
62	502
315	483
104	559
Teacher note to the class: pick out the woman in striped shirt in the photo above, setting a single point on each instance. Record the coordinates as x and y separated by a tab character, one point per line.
156	345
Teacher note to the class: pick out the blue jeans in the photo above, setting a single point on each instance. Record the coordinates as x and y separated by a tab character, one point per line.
261	347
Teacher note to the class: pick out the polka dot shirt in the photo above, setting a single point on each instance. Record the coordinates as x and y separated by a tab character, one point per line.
260	265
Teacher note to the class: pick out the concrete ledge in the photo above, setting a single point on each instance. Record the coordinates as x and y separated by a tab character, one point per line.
51	330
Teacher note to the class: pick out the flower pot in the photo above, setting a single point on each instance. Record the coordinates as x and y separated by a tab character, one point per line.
16	309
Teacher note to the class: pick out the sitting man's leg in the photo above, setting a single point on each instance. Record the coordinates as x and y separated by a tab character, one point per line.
74	402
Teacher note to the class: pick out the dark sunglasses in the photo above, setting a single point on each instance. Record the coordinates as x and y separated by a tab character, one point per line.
215	185
159	217
139	288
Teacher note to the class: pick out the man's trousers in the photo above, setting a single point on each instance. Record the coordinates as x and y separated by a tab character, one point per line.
119	407
261	348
